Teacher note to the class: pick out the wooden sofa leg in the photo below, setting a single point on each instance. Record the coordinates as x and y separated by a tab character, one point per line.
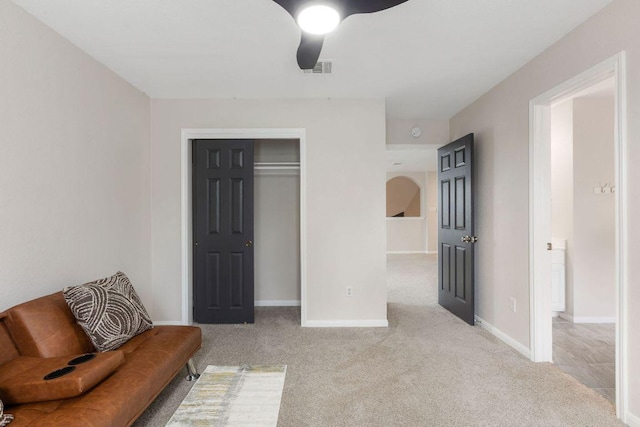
192	372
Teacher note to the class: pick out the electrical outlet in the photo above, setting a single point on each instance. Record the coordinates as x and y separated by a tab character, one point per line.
512	304
349	291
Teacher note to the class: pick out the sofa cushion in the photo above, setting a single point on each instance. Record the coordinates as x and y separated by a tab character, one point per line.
22	379
109	310
152	359
45	327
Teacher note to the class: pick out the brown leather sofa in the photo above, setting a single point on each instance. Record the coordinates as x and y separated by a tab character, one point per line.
111	389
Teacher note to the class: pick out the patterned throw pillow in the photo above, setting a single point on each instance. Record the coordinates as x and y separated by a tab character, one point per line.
109	310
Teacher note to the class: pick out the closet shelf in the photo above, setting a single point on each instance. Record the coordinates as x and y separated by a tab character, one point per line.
276	166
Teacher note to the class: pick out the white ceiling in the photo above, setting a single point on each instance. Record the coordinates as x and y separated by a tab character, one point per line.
428	58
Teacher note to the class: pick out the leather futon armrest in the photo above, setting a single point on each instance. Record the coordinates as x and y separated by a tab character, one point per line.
22	379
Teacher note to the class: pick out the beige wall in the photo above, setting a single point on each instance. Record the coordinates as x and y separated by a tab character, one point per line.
594	214
562	188
499	120
432	211
277	237
74	169
344	192
406	235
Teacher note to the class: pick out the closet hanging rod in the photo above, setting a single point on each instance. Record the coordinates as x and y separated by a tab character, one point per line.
276	165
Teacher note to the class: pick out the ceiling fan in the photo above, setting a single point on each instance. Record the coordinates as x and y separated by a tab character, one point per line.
318	17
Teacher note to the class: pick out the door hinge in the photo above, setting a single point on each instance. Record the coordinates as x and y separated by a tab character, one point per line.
549	246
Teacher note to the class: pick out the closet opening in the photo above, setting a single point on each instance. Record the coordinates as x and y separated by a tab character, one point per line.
278	242
277	222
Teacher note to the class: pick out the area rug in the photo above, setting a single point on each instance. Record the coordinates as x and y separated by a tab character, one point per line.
233	396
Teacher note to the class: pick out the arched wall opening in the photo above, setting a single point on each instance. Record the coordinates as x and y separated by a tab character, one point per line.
404	198
407	230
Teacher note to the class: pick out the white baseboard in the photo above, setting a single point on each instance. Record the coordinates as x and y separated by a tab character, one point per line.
347	323
632	420
585	319
277	303
432	253
504	337
167	322
405	252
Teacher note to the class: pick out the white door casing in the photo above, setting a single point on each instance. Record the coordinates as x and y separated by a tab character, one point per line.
540	216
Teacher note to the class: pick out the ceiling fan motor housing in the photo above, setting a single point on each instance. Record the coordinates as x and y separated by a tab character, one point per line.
311	44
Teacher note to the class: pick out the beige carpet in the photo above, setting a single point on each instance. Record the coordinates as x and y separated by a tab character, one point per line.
427	369
412	279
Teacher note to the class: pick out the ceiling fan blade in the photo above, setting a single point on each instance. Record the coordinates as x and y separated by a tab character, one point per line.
290	6
309	50
351	7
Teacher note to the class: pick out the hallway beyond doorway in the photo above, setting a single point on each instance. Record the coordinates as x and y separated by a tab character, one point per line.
412	279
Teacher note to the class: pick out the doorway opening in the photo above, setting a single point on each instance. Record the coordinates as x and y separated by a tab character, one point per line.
583	236
280	179
411	223
541	222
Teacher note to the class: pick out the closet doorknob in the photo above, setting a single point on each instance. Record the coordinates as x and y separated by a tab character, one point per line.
249	243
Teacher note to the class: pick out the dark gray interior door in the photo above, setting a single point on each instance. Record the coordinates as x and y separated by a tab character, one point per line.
223	231
455	228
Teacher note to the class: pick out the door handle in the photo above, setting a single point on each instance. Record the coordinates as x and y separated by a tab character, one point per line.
469	239
249	243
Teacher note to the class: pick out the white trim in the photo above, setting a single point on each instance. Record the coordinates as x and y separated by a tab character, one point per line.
167	322
186	136
539	217
503	337
411	147
186	223
383	323
276	172
587	319
406	252
276	165
277	303
632	420
622	253
405	218
539	227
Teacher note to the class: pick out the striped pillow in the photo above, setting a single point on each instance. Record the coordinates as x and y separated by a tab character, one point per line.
109	310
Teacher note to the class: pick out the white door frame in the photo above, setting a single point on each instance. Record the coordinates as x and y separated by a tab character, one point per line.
186	205
540	215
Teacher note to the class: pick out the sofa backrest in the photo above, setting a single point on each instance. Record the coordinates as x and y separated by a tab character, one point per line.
8	350
44	327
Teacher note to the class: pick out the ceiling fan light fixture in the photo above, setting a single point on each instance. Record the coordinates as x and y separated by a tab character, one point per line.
318	19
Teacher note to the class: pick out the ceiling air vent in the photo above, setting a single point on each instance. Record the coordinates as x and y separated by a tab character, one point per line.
322	67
